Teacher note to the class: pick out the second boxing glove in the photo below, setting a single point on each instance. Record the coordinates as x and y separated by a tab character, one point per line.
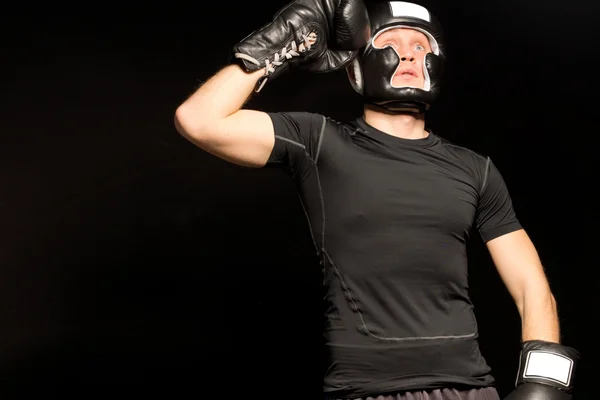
316	35
546	371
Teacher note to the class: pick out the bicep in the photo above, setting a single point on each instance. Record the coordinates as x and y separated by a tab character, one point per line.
244	138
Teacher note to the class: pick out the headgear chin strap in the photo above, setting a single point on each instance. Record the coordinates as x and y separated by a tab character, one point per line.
371	73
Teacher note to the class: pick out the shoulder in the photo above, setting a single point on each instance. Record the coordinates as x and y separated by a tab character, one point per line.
297	118
463	153
343	128
302	132
474	163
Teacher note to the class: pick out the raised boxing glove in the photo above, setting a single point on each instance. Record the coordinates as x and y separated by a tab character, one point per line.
315	35
546	372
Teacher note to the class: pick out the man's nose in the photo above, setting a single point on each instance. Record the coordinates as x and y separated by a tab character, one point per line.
407	56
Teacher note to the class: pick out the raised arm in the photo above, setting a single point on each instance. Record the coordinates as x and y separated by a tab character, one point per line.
213	119
319	35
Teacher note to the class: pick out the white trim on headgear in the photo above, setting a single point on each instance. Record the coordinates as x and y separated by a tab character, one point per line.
432	42
404	9
357	79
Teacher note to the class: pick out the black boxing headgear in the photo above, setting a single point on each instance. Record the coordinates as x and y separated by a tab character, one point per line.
371	73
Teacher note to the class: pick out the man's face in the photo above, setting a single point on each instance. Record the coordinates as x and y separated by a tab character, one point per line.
411	46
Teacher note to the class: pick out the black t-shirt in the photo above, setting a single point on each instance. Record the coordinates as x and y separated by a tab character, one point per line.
390	218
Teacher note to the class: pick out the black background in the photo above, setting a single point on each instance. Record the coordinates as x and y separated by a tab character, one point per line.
134	263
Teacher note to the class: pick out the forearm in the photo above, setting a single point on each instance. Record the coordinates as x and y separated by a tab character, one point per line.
539	315
221	96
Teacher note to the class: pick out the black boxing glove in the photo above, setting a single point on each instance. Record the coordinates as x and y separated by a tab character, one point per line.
315	35
546	372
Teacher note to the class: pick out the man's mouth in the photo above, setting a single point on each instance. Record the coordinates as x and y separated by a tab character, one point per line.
407	73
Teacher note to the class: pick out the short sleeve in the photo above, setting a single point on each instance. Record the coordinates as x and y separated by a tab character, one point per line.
495	213
297	136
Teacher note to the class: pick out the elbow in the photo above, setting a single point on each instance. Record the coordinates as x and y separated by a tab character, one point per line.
536	297
182	121
187	124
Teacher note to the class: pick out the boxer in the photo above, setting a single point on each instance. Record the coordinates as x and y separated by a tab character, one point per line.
389	203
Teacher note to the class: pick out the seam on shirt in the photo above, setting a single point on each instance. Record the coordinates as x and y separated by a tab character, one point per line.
318	246
292	142
486	175
320	143
322	199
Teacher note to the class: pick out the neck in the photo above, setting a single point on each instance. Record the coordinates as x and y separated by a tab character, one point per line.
402	125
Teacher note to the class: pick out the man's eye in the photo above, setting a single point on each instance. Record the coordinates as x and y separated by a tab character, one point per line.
419	47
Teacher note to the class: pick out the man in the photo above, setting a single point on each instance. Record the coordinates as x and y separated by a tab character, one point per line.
390	204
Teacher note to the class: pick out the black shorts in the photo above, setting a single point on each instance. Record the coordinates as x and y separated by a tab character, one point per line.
488	393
